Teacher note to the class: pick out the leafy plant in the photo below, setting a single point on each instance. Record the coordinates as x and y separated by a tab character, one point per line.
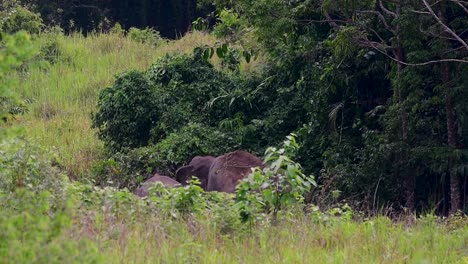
18	18
147	35
179	201
145	108
192	140
25	165
280	184
33	229
127	169
126	111
14	51
229	24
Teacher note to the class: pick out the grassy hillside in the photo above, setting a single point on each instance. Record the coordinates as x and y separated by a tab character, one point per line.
64	94
53	220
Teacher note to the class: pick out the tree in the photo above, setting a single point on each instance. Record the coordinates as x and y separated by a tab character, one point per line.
423	42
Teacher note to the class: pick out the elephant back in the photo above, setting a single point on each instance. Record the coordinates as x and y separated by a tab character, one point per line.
227	170
166	181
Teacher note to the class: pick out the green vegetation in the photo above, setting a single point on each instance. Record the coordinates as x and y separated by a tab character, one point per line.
359	108
93	225
63	96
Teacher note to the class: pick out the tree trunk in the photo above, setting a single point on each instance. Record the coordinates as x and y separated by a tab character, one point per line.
452	130
408	178
452	140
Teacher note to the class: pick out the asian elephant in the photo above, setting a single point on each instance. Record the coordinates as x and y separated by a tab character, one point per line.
227	170
166	181
198	167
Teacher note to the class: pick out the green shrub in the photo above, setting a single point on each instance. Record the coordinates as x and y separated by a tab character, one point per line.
280	184
174	92
19	18
15	50
25	165
228	24
147	35
126	111
192	140
33	230
117	29
186	85
177	202
128	169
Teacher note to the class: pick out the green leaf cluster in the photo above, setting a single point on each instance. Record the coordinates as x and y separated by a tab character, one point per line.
276	187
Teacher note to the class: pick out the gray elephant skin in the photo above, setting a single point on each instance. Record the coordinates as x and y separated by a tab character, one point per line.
198	167
166	181
227	170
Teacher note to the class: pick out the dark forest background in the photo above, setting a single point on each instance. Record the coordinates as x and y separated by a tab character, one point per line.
170	18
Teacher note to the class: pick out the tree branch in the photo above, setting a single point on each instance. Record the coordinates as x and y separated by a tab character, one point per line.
375	47
334	24
447	29
386	11
323	21
379	15
461	5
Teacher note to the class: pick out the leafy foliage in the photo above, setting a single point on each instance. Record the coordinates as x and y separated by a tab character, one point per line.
279	185
14	51
228	24
33	230
127	111
143	108
362	111
194	139
146	35
15	18
24	165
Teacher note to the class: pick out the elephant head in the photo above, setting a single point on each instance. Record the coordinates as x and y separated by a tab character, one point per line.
198	167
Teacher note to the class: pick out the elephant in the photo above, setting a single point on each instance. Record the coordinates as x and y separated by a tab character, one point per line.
227	170
165	180
198	167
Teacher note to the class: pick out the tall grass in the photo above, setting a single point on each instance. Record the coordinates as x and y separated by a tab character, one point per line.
303	240
64	94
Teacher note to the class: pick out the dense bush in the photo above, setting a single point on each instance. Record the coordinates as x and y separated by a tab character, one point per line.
228	24
129	168
147	35
18	18
15	50
33	230
195	139
142	108
279	185
127	111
